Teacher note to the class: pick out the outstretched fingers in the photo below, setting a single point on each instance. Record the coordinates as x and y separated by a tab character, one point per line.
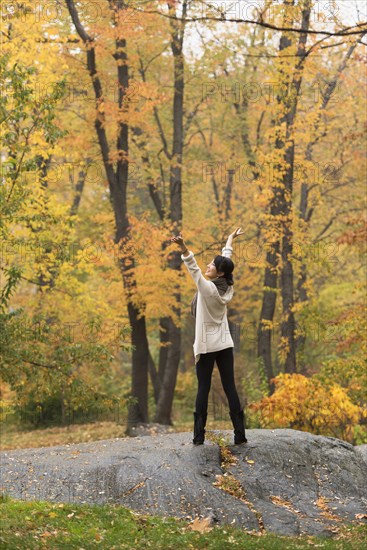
238	231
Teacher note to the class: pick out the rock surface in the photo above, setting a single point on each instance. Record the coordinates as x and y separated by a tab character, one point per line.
287	482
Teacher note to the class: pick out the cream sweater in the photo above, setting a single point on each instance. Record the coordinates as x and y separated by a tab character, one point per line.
211	323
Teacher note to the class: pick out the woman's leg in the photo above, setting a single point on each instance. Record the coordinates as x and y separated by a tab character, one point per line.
204	370
224	361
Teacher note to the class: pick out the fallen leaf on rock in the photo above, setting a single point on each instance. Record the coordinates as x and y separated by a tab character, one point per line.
361	516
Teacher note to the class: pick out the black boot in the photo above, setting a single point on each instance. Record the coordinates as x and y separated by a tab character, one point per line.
239	427
199	428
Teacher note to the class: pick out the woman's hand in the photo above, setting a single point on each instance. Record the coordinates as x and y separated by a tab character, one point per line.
238	231
179	240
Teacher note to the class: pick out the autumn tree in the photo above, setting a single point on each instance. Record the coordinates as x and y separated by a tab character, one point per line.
118	181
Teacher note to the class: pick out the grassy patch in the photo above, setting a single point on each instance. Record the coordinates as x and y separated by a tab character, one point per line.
36	524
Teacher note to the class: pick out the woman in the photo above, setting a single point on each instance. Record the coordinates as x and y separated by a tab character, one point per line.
213	341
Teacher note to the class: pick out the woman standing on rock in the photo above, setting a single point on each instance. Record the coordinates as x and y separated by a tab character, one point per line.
213	341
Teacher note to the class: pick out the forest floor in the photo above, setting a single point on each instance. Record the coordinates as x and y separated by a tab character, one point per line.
12	438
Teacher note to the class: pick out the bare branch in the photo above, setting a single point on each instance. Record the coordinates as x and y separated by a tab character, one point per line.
331	221
92	69
343	32
192	114
153	191
161	133
142	71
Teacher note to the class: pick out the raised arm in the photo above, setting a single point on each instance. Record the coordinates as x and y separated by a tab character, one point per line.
206	287
228	248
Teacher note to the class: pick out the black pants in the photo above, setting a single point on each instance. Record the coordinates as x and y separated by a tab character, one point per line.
204	370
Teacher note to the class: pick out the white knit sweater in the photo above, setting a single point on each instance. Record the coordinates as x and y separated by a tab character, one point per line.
211	323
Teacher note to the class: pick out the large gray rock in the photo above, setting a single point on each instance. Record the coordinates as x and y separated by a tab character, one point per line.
288	482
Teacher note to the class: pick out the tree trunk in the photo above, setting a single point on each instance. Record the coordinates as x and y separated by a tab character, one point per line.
306	212
168	371
138	410
118	180
265	326
79	187
164	380
281	204
288	325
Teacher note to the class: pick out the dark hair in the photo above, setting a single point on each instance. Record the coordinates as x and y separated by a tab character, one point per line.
226	265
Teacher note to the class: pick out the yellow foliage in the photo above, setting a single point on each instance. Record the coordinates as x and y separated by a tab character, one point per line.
307	404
